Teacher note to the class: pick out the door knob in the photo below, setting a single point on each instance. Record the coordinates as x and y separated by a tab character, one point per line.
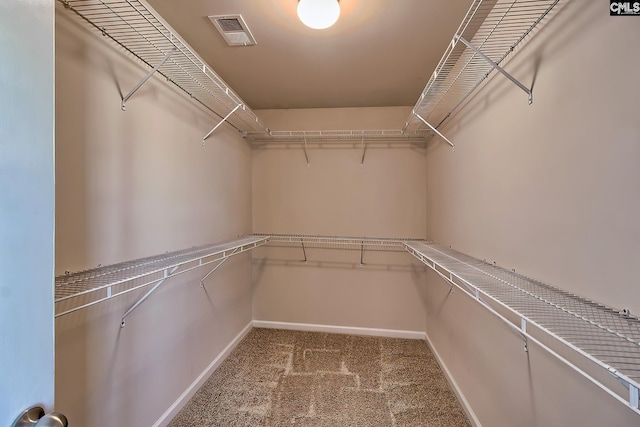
35	417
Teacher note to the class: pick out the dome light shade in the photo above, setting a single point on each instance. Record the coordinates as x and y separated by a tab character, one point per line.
318	14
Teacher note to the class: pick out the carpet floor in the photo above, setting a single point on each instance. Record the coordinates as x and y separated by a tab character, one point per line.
279	378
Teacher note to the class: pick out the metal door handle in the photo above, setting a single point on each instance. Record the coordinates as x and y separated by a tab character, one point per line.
35	417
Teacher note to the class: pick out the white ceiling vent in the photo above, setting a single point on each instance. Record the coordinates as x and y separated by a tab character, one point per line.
233	29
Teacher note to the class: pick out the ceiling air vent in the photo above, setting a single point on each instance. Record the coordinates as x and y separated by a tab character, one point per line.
233	29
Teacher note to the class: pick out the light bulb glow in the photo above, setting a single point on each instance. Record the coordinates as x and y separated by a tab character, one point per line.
318	14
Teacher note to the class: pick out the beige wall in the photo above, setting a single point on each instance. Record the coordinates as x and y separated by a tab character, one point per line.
337	196
332	289
133	184
335	118
552	191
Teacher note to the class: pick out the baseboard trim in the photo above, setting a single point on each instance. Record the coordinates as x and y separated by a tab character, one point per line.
475	422
173	410
388	333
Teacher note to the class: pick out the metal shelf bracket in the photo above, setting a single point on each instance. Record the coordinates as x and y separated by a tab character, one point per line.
633	390
144	80
496	66
434	129
304	252
364	151
217	266
220	123
306	155
167	274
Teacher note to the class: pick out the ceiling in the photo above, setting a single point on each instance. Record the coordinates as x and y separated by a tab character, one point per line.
379	53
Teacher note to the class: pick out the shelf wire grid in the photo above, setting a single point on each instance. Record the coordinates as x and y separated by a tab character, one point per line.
339	242
390	136
134	26
495	27
88	287
606	336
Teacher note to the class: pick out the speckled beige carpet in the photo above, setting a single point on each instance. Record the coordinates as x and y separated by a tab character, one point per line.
290	378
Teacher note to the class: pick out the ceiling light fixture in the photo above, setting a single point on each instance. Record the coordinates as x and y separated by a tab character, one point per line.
318	14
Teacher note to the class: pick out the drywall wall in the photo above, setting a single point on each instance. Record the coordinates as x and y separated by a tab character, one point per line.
550	190
335	195
26	207
133	184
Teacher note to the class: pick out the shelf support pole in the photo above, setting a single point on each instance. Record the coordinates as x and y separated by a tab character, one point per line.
497	67
304	252
167	274
220	123
147	77
226	257
306	155
434	129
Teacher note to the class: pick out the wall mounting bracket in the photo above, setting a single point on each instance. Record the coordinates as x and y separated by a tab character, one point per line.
147	77
496	67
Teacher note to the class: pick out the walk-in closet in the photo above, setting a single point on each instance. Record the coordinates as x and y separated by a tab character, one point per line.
232	213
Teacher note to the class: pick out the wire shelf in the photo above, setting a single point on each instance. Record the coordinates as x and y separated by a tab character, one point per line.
338	242
136	27
495	27
85	288
603	335
386	136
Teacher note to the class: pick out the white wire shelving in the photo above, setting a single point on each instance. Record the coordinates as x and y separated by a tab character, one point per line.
387	137
491	30
75	291
136	27
361	244
604	336
607	338
362	139
338	242
488	34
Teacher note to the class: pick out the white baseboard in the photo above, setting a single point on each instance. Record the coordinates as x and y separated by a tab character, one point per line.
173	410
388	333
465	403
